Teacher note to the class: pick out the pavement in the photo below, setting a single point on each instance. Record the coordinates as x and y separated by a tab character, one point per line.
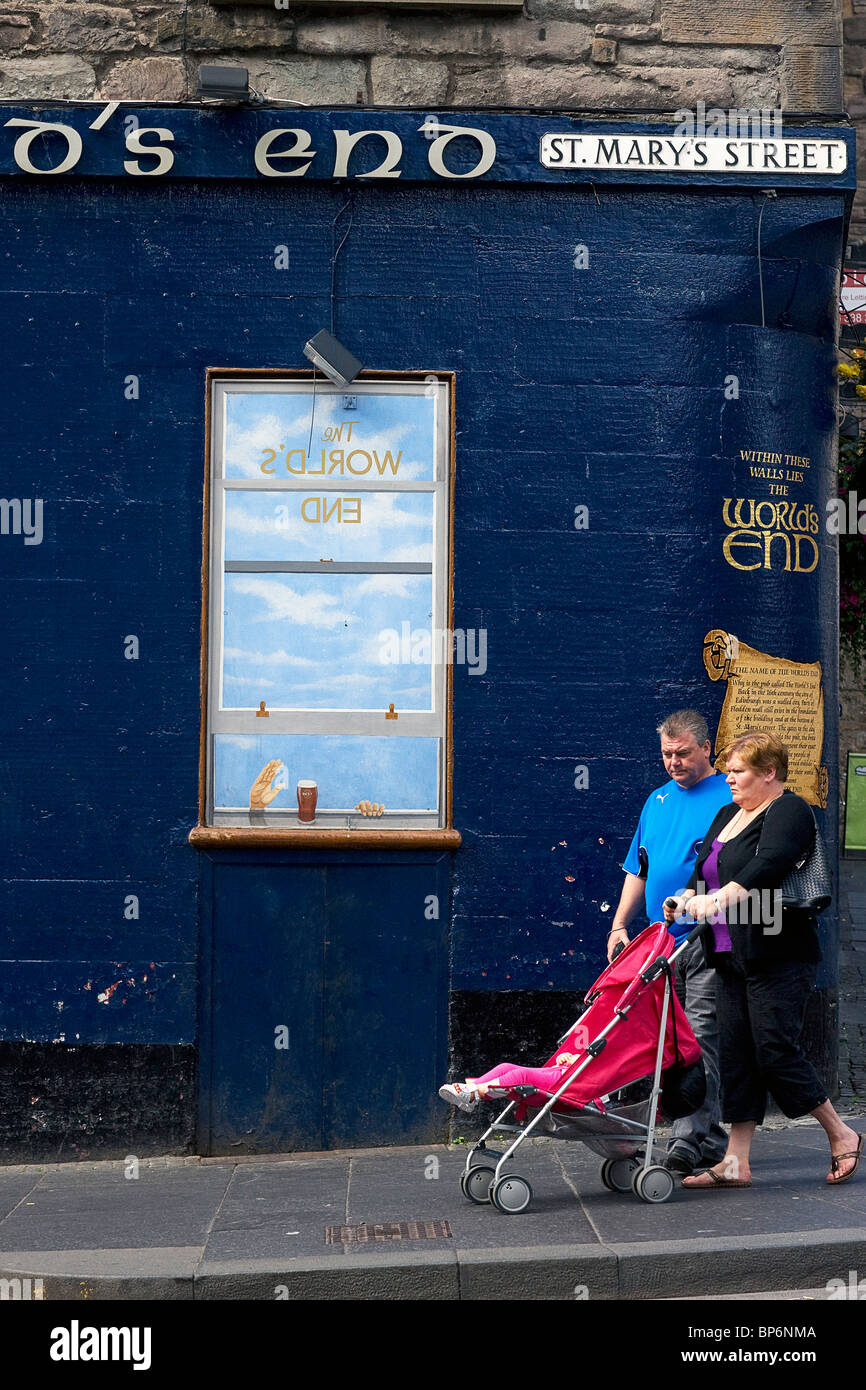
393	1224
383	1224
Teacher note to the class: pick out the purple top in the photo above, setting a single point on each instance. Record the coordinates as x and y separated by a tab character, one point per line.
710	871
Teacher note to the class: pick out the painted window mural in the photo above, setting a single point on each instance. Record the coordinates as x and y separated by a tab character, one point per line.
329	619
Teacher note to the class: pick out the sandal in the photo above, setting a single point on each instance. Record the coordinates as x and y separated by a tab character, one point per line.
716	1181
836	1159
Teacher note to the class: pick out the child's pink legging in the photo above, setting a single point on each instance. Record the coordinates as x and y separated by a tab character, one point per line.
508	1075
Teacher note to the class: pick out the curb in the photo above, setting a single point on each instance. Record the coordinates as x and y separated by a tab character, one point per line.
639	1271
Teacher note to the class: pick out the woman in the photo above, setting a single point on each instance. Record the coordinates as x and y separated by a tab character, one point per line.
764	956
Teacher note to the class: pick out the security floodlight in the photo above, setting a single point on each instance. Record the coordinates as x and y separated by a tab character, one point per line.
219	82
332	358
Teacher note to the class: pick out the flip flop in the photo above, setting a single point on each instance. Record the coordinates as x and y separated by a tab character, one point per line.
694	1184
836	1159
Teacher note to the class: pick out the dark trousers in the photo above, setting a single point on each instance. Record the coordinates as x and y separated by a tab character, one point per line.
761	1007
695	984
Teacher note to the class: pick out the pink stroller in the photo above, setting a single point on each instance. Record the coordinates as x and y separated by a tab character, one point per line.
632	1030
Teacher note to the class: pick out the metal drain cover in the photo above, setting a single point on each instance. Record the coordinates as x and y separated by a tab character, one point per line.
387	1230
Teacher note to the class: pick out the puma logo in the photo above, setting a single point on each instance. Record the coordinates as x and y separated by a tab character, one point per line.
659	796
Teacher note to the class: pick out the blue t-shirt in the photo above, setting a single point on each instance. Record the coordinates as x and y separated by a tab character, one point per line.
671	829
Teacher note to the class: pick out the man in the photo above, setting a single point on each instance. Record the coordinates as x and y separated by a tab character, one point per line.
672	825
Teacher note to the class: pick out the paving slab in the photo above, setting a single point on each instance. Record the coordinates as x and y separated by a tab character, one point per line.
15	1187
788	1194
279	1210
381	1195
87	1210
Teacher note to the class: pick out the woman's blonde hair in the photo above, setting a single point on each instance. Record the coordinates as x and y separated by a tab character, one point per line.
761	751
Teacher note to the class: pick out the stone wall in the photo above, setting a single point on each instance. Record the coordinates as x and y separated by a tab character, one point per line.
854	29
852	729
852	719
606	55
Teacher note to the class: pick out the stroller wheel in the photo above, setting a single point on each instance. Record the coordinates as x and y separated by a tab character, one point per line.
653	1184
511	1194
617	1174
476	1183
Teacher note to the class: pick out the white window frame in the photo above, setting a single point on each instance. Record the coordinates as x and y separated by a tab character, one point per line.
370	722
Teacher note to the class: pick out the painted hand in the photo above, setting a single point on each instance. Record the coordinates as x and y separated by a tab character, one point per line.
262	792
370	808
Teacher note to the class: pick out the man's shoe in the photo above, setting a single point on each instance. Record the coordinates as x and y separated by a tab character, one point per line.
680	1161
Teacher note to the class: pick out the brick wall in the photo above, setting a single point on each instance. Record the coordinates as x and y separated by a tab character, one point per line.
641	55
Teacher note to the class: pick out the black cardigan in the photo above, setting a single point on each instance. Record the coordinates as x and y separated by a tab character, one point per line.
760	857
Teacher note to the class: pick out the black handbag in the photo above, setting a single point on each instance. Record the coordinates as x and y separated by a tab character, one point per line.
810	883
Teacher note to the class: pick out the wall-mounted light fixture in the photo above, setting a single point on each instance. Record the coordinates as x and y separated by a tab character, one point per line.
228	85
329	355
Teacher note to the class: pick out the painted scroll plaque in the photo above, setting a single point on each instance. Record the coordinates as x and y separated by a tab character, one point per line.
773	693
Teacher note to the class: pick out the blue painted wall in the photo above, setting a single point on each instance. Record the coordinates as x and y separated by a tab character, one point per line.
600	386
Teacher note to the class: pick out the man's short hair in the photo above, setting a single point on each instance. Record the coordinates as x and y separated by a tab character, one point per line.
685	721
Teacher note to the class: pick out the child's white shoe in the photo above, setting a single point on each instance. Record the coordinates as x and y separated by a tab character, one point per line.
459	1094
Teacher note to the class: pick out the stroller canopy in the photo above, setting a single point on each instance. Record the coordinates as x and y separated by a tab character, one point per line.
630	1048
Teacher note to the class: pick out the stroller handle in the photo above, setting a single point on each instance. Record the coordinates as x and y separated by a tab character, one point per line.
695	934
697	931
656	967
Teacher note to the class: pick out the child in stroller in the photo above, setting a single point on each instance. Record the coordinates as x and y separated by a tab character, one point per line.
501	1079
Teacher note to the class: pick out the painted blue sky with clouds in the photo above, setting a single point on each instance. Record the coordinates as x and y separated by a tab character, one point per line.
314	641
258	421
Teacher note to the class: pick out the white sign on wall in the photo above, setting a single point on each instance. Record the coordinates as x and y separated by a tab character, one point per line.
687	155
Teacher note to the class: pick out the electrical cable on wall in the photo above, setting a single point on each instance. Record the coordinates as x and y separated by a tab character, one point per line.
312	414
768	193
183	51
334	255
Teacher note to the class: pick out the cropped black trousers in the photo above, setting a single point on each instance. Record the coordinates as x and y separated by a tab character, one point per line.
761	1006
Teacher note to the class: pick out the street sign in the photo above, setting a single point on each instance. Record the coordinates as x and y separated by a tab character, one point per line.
853	296
855	805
